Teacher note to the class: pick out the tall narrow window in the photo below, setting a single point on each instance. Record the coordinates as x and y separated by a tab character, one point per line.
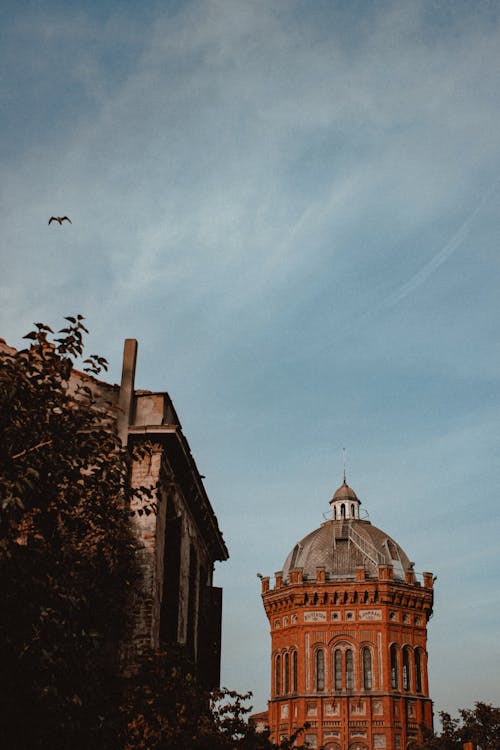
418	672
192	599
287	673
337	667
352	510
406	669
367	669
320	670
277	675
342	510
349	671
169	615
294	671
394	667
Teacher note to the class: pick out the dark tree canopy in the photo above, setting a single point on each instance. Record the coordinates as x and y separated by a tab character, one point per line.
480	726
66	549
68	575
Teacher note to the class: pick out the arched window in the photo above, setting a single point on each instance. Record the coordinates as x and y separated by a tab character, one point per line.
418	672
287	673
294	671
342	510
349	670
337	669
394	667
334	513
277	675
406	668
320	670
367	669
352	510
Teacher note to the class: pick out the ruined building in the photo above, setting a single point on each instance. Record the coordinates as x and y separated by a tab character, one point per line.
181	542
348	621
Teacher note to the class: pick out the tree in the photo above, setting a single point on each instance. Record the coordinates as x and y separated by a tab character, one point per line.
67	564
480	725
167	709
68	574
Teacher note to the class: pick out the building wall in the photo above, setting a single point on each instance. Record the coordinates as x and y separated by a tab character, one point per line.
177	529
179	536
178	533
382	709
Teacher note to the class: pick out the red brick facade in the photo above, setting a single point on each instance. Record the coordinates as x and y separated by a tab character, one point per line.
348	625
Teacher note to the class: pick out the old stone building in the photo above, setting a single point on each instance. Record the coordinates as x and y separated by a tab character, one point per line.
180	540
178	533
179	537
348	621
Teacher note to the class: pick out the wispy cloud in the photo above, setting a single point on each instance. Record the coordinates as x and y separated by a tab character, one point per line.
443	255
253	186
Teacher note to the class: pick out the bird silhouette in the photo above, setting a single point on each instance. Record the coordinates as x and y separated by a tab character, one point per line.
60	219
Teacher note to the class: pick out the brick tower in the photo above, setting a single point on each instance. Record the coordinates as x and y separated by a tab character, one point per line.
348	622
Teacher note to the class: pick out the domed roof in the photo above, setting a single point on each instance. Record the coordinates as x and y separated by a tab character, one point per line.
344	492
343	544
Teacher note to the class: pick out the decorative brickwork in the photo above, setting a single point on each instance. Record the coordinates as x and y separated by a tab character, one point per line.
348	625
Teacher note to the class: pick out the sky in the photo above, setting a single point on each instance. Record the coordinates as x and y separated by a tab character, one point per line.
293	206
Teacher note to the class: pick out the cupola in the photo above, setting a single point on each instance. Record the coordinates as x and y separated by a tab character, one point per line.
345	503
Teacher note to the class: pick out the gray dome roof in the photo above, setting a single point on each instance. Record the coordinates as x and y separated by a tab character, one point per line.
343	545
344	492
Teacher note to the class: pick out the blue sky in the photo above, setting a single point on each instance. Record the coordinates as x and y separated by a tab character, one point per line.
293	206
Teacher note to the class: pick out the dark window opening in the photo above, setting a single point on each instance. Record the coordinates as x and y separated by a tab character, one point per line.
295	554
367	669
418	672
394	667
338	669
406	669
392	550
320	670
287	674
277	675
192	598
349	671
169	612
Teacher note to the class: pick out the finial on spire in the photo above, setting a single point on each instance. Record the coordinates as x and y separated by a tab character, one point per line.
343	463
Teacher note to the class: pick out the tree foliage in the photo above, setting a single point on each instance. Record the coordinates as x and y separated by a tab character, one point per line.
167	709
66	549
480	725
68	574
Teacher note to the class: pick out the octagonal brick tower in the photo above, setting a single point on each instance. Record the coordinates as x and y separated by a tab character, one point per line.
348	622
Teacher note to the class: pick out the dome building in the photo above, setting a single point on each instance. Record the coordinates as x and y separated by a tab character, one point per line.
348	621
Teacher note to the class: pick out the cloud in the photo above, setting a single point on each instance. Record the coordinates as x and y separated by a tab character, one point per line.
255	190
443	255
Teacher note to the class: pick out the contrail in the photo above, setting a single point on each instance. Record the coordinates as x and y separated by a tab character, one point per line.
443	255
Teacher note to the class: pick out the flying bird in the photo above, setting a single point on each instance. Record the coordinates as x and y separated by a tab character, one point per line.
60	219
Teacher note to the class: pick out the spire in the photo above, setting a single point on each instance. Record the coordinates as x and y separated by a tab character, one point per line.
344	503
